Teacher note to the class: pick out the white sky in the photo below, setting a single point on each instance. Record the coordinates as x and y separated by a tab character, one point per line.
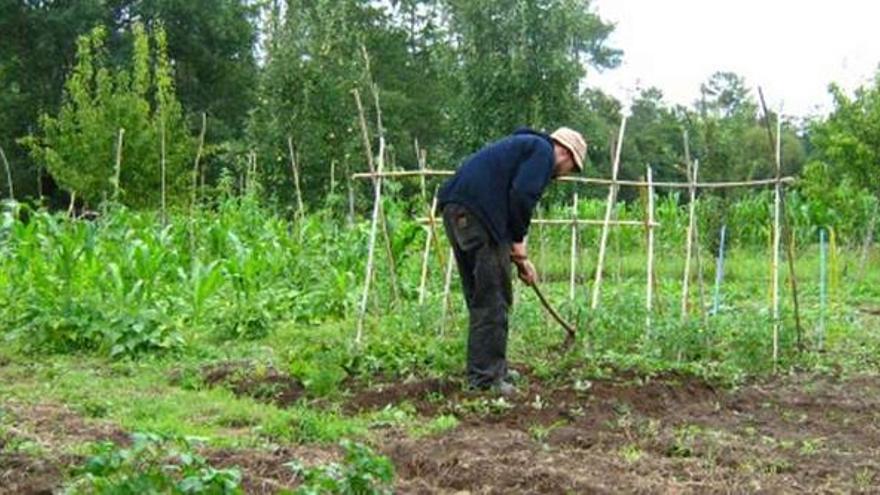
792	48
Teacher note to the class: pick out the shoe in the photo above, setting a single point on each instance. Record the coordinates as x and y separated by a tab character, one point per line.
503	388
513	376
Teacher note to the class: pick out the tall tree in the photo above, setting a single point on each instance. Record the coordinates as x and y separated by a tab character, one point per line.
78	145
522	62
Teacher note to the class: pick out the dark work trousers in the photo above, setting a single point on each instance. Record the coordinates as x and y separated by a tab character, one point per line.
484	266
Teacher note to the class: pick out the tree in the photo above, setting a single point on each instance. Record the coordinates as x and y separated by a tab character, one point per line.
848	141
522	62
78	145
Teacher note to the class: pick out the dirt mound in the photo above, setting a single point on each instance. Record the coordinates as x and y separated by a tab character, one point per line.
541	403
52	429
423	394
266	472
668	434
265	384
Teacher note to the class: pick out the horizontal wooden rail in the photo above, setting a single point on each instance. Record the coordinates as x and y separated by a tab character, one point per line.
589	180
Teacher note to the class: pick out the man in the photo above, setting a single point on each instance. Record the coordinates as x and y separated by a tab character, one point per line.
487	207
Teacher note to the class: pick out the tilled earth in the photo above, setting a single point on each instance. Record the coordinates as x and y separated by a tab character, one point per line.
630	434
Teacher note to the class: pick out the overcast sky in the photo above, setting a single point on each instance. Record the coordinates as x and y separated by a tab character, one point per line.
792	48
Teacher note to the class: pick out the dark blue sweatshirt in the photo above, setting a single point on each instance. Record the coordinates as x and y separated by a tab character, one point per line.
502	182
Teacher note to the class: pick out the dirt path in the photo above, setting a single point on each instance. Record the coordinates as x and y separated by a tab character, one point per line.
670	434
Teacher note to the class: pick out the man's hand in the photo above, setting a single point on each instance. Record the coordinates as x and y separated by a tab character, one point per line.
518	251
526	271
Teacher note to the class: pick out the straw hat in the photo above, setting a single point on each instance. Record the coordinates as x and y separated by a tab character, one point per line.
574	142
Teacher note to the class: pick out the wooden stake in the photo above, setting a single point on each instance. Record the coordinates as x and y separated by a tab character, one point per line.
374	227
692	172
777	213
447	286
574	244
422	158
701	283
72	203
696	238
649	289
198	160
300	207
369	151
427	253
541	268
365	135
8	174
609	207
392	266
195	188
117	171
162	166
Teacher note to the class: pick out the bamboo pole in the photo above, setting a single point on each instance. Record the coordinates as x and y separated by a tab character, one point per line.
8	174
300	207
609	207
649	289
591	222
332	177
195	188
689	242
574	244
371	250
421	157
701	284
198	159
588	180
427	253
380	127
365	136
162	166
556	222
369	151
696	238
117	169
777	213
447	288
542	245
72	203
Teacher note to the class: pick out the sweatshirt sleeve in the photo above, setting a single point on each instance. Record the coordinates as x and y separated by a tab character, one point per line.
529	181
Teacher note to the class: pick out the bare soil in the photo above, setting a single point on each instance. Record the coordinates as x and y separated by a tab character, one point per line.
264	384
666	434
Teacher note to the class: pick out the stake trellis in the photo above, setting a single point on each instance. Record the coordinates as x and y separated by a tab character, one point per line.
574	223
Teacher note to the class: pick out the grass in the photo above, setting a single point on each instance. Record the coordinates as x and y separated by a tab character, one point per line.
252	293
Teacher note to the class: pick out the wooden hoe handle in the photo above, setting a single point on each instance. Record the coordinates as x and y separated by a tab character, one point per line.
566	325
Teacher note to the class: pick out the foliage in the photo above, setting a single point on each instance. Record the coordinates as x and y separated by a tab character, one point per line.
123	284
78	147
848	141
363	472
210	43
153	464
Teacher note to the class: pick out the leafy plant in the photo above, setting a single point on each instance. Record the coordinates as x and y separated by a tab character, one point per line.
363	472
153	464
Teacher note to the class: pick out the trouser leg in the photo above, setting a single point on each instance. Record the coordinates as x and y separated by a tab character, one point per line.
485	273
